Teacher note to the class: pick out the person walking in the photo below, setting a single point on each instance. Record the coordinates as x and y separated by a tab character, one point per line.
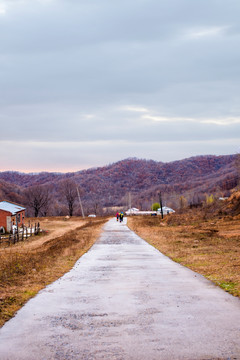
121	216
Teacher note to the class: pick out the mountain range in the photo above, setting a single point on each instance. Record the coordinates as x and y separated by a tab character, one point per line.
135	182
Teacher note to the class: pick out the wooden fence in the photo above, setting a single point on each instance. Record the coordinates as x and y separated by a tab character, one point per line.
22	234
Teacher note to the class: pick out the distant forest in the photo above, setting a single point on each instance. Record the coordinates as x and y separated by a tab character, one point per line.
134	182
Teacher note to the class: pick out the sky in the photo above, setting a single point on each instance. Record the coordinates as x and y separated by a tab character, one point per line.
85	83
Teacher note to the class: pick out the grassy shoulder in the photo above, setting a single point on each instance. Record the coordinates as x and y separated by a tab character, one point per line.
210	247
26	269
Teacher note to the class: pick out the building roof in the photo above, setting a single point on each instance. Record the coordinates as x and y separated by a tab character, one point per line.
133	209
166	209
10	207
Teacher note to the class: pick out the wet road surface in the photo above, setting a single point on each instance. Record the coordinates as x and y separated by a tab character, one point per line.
125	300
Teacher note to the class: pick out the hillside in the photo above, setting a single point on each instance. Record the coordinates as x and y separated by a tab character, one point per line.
110	185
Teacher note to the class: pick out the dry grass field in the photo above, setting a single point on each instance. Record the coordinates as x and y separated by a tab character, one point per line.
27	267
210	247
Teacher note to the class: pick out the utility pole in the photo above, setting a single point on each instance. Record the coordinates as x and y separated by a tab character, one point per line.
80	202
129	202
160	202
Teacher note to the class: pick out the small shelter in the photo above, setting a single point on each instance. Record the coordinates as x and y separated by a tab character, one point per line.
135	211
11	214
132	211
166	210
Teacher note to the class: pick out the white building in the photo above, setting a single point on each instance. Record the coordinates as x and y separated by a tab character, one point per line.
132	211
166	210
135	211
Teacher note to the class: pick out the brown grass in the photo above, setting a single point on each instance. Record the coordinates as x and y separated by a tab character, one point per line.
209	247
28	267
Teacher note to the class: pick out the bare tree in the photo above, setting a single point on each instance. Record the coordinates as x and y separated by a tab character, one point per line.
37	198
69	191
45	209
182	202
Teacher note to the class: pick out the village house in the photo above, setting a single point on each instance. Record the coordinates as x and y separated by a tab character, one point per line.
11	214
166	210
134	211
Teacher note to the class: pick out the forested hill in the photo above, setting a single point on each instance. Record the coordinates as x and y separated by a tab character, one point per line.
109	185
133	171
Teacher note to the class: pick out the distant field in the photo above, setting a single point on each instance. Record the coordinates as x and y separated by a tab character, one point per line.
27	267
210	247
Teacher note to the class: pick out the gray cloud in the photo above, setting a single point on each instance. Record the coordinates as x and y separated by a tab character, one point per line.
71	70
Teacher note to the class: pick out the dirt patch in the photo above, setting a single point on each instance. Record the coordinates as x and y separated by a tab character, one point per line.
210	247
28	267
52	228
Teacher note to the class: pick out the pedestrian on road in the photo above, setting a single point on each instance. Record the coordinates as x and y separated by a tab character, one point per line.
117	215
121	216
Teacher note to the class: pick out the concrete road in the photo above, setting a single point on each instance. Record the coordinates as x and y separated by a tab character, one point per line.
125	300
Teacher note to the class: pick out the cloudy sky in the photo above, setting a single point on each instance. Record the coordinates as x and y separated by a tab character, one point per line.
86	83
